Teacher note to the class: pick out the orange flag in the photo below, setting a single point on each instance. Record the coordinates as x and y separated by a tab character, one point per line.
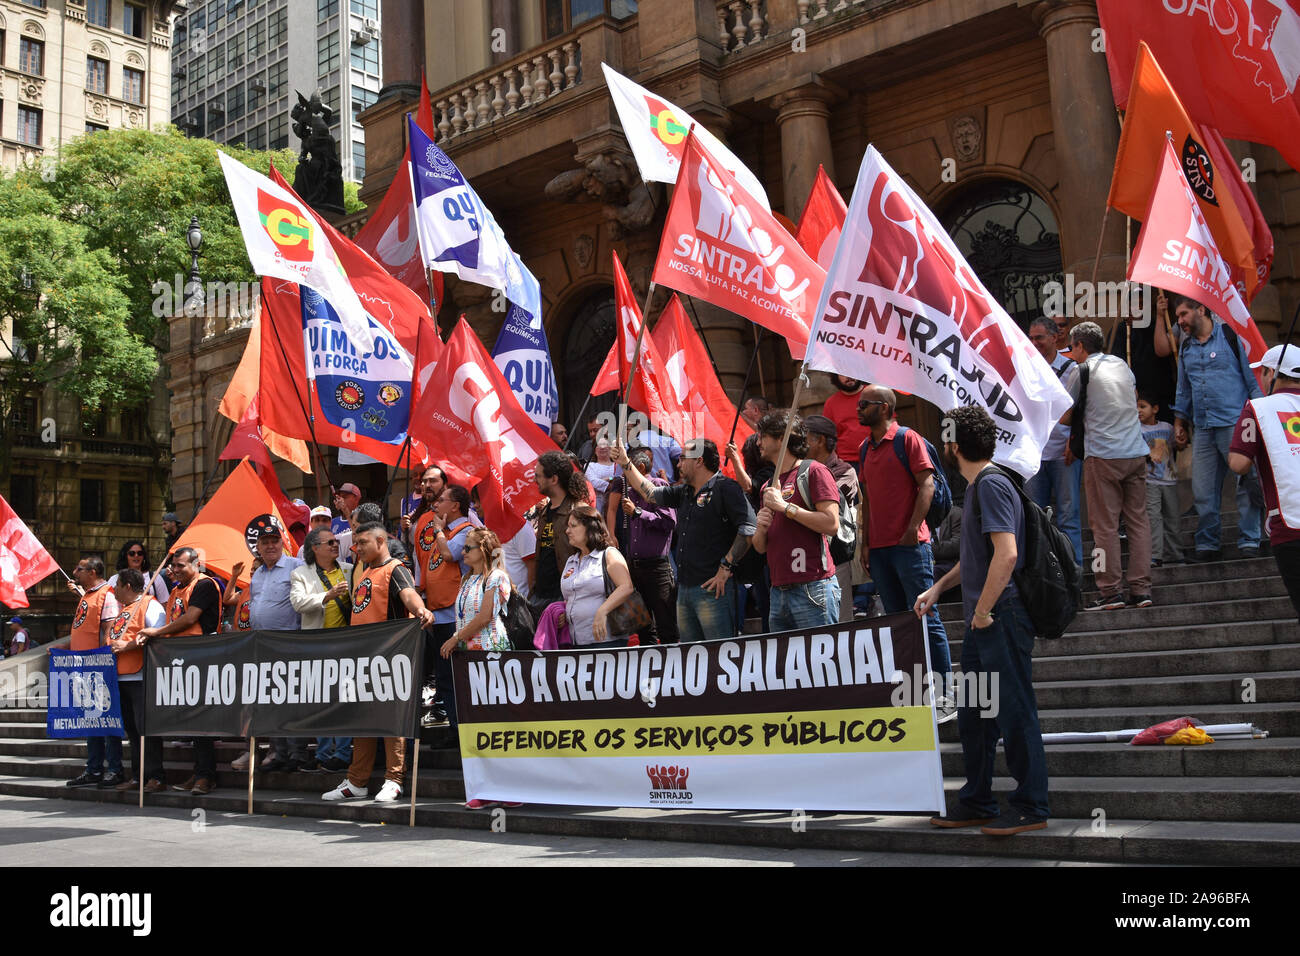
225	529
1153	108
243	389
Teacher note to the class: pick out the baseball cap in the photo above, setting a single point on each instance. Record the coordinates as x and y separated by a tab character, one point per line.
1273	358
819	425
15	620
270	531
349	489
320	511
171	516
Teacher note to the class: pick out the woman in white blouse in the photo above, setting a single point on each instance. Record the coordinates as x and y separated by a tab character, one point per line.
134	555
586	605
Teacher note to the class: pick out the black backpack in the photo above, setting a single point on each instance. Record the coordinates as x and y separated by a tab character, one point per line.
844	542
519	623
1049	583
941	503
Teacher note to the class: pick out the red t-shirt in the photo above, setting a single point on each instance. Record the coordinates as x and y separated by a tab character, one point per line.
890	490
1278	532
795	554
842	409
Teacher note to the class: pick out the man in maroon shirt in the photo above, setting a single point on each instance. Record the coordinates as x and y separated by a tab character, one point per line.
1268	435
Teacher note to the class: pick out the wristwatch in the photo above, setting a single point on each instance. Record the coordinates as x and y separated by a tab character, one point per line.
726	565
788	509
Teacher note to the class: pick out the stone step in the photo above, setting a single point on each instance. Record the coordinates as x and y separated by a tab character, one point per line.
1279	720
1133	841
1250	660
1182	692
22	715
1085	643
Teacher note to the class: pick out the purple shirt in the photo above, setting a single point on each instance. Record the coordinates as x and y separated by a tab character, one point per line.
650	533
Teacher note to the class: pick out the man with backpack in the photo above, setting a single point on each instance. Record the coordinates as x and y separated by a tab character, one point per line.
1214	383
800	510
823	438
999	640
899	478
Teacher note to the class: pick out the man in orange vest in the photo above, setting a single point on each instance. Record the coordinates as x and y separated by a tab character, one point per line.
382	590
96	610
437	576
139	610
194	607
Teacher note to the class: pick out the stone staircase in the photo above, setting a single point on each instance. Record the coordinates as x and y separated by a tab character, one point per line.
1221	645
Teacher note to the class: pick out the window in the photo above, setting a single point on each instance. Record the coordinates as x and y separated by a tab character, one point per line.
326	8
327	54
197	75
366	8
130	502
97	12
256	138
561	16
133	20
358	161
38	4
29	126
22	496
2	48
217	62
276	79
275	27
95	128
257	40
135	424
31	56
92	499
277	133
330	98
361	98
256	91
235	51
366	57
216	10
132	85
22	419
217	111
96	75
235	102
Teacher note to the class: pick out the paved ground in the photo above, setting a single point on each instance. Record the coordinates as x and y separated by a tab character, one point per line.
41	832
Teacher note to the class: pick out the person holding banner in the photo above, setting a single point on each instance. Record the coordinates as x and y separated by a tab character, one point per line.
438	578
96	612
319	592
594	565
479	624
382	590
139	610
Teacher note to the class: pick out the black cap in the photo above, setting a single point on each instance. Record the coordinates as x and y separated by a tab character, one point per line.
820	425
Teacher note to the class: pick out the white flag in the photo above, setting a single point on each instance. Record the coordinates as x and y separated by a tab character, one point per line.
656	130
902	308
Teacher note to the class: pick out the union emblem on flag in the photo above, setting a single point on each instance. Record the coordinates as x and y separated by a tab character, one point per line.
1290	426
670	130
291	232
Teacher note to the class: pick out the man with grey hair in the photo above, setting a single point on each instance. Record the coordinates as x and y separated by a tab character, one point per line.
1059	480
1114	466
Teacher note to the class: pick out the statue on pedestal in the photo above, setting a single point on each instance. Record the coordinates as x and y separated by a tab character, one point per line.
318	177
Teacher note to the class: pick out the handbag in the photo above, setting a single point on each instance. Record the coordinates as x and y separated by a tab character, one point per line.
1076	420
632	614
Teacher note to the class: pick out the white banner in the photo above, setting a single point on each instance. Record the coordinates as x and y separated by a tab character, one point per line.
902	308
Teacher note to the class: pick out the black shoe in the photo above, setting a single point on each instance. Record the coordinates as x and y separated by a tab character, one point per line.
310	766
963	816
336	765
1157	563
85	780
276	766
1248	552
1202	557
293	766
111	780
1139	600
1112	603
1012	822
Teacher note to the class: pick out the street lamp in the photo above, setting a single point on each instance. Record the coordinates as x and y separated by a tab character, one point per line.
194	287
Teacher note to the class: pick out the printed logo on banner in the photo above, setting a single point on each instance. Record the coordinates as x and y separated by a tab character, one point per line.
350	395
667	127
1199	170
668	784
294	235
390	394
257	526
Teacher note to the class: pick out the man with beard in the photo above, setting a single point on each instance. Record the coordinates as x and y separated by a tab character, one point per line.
842	409
431	484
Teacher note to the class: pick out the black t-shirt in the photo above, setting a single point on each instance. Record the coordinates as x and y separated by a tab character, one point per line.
401	580
206	596
546	576
707	523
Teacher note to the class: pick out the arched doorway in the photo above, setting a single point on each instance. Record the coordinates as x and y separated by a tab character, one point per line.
1009	236
589	338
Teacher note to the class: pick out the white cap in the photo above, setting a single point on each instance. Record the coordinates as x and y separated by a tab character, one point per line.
320	511
1290	366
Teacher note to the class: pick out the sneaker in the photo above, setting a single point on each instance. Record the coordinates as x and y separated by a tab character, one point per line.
434	718
1201	557
962	816
153	786
310	766
240	762
336	764
85	780
346	791
201	787
187	785
1248	552
388	793
1012	822
481	804
125	785
276	765
1139	600
945	709
111	780
1112	603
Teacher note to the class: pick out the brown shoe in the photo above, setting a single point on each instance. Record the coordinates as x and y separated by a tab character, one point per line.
960	817
153	786
127	785
202	786
187	785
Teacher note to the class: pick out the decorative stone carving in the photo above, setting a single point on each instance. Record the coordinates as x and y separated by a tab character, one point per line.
583	247
97	107
608	176
134	118
31	89
967	135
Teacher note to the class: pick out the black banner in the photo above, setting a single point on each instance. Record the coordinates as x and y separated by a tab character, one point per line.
361	681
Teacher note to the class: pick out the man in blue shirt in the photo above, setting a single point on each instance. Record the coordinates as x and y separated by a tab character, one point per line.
1214	382
269	609
1059	482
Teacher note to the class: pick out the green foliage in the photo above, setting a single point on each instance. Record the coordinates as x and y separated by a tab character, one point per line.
351	203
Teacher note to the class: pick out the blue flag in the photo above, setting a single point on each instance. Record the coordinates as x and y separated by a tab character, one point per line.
83	695
366	391
457	233
524	358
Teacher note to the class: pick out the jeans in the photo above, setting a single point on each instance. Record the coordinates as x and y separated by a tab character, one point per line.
901	573
334	748
1209	467
291	748
761	591
96	750
799	606
1063	483
653	579
1004	649
701	616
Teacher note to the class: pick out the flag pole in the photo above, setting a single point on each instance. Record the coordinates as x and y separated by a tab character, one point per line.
581	412
308	415
789	422
640	337
744	388
1286	344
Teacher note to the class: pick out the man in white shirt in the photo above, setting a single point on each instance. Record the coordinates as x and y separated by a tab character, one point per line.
18	641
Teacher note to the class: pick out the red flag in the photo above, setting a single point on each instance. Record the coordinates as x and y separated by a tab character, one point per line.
822	219
242	392
719	244
246	441
607	379
692	379
1176	251
469	418
1234	62
23	559
650	392
1260	234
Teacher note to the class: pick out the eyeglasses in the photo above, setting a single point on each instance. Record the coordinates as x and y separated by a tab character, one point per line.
471	547
135	554
328	544
866	402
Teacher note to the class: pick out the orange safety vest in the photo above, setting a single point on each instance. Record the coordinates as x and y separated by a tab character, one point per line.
85	625
442	578
425	545
370	594
179	603
243	616
125	626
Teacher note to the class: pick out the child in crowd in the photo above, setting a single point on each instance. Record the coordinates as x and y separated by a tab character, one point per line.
1162	485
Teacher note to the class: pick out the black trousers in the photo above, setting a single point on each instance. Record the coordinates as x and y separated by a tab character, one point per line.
653	578
132	694
440	667
1287	556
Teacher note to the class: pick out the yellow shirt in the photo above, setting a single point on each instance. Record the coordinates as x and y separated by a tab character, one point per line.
333	616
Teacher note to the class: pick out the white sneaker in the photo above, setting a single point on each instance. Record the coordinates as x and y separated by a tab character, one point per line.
240	762
388	793
345	791
945	709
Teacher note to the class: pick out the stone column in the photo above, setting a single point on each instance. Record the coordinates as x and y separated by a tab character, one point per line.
803	116
1087	135
402	45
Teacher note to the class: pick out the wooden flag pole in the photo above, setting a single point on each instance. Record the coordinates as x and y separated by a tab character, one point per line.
744	388
142	773
636	355
789	423
1128	255
415	776
252	764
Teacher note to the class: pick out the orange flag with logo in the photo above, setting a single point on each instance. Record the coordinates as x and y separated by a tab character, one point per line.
225	529
242	391
1153	108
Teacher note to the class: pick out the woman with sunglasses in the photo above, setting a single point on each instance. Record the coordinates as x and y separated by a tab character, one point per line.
319	592
134	555
484	593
